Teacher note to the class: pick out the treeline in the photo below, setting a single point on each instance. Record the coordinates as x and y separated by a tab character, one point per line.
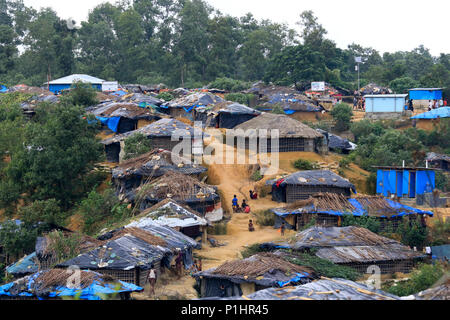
188	43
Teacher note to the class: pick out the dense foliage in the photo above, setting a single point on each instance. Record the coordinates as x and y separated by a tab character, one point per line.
136	145
342	113
189	43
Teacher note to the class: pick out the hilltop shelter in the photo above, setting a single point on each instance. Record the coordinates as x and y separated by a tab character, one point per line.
258	272
169	213
324	289
131	173
385	106
183	107
56	86
422	96
294	136
431	119
225	115
25	266
125	117
127	253
328	209
303	184
159	133
438	161
354	247
53	285
405	182
184	189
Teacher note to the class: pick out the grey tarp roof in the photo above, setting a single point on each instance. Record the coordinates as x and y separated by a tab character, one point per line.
170	214
432	156
237	108
195	99
348	244
161	128
125	253
315	178
139	98
325	289
437	293
156	163
336	142
126	110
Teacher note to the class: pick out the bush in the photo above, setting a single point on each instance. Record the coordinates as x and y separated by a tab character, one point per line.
240	98
412	233
80	94
166	96
324	267
219	228
302	164
422	278
342	113
265	218
43	211
98	209
277	109
230	85
344	163
368	222
256	176
136	145
442	182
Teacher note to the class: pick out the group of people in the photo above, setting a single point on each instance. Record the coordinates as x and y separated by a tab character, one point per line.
434	104
244	208
359	103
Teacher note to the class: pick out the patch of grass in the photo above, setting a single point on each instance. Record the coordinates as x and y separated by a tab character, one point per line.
265	218
218	229
323	267
302	164
256	176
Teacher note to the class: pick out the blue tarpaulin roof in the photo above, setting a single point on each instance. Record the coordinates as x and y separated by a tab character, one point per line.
111	123
392	209
30	287
443	112
24	266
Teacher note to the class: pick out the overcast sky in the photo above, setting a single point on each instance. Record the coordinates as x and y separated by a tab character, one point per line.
386	25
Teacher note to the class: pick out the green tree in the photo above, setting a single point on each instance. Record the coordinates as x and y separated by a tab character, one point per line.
342	113
136	145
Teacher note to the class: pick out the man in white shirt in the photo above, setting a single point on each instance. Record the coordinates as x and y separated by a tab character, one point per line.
152	280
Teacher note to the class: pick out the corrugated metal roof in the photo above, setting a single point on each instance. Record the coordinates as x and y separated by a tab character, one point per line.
77	77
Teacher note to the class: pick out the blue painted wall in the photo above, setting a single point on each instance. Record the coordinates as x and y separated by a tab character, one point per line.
399	182
425	94
385	104
56	88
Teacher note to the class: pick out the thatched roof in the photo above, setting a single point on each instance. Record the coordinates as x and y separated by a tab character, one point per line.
179	187
337	204
161	128
155	163
259	265
287	127
126	110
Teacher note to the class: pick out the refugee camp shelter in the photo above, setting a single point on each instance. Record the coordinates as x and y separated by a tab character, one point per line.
431	119
160	135
184	106
405	182
56	86
187	190
169	213
293	136
324	289
128	253
225	115
244	277
438	161
25	266
53	285
422	96
354	247
131	173
125	117
441	292
336	143
328	209
385	106
441	252
303	184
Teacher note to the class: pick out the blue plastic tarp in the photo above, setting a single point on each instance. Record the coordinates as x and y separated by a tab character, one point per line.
95	291
112	123
3	89
443	112
297	278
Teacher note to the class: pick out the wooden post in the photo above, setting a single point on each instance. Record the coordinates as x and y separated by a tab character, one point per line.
204	234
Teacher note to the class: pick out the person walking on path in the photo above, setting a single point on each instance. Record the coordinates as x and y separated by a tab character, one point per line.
282	229
235	203
152	280
179	263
